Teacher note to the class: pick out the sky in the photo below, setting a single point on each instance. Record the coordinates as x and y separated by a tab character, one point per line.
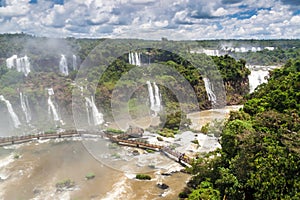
153	19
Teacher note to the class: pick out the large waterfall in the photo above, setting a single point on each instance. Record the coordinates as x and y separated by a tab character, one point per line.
154	96
259	75
209	90
92	110
13	116
25	107
63	66
21	64
134	58
52	111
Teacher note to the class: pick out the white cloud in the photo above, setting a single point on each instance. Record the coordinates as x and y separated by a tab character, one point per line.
150	19
220	12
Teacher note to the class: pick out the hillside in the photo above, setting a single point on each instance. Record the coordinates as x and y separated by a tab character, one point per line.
259	158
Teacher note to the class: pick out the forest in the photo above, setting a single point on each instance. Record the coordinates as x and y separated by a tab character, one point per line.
108	67
259	158
260	151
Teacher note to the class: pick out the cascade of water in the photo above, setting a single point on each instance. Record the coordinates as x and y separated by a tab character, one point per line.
157	96
51	107
211	52
25	107
74	62
96	115
10	62
257	76
154	96
134	58
22	64
13	116
151	96
63	66
209	90
138	59
87	107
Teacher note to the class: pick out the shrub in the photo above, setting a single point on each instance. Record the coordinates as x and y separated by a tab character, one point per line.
16	156
67	183
143	177
90	176
112	130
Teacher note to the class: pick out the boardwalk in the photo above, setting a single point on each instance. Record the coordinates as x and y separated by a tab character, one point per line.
121	139
26	138
179	157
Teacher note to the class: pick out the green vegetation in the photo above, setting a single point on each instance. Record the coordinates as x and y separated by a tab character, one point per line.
112	130
150	151
113	146
90	176
64	184
204	128
195	141
116	155
50	131
266	57
260	155
143	177
17	156
172	123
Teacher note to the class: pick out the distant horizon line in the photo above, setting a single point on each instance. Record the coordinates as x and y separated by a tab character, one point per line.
161	39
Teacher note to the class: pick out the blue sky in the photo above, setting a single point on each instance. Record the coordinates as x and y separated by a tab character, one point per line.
153	19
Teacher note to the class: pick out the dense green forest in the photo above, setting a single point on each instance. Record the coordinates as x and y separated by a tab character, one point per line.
260	155
107	66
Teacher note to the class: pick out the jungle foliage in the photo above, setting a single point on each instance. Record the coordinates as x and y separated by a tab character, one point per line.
260	155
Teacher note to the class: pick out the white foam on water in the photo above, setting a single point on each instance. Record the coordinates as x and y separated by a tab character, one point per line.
6	161
121	190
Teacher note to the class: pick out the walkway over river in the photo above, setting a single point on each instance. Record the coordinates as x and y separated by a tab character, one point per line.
121	139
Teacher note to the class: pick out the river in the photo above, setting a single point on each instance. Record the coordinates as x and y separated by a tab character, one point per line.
32	170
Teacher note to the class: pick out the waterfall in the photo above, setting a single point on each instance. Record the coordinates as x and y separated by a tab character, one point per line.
63	66
257	76
12	114
74	62
25	107
157	96
10	62
154	96
87	107
91	108
134	58
209	90
52	111
211	52
21	64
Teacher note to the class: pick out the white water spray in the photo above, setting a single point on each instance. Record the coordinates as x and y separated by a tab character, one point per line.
74	62
209	90
13	116
52	111
92	108
21	64
154	96
63	66
258	76
134	58
25	107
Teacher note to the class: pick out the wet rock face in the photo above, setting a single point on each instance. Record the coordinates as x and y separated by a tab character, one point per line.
162	186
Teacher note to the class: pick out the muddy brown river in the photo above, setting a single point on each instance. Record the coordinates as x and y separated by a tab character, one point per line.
32	170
